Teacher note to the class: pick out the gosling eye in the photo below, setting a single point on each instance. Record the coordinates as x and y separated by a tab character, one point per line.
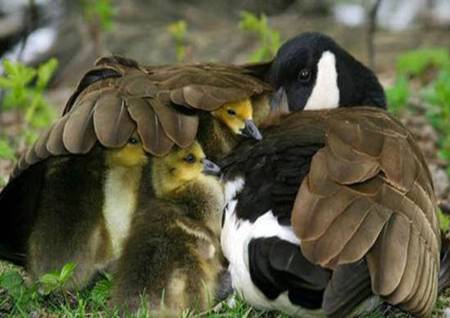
190	158
133	141
231	112
304	75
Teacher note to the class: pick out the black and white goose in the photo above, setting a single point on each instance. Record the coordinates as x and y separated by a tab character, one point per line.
345	157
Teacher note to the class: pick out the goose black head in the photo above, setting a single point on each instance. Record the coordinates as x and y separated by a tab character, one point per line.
316	73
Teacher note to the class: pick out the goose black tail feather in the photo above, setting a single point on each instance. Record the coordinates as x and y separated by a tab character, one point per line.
277	266
349	286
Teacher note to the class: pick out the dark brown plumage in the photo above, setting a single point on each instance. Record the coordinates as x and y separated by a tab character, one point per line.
370	194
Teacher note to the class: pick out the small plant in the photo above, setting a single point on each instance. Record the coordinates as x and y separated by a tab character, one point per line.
102	290
24	87
100	13
6	151
22	296
444	221
438	96
57	280
178	31
270	40
416	63
398	94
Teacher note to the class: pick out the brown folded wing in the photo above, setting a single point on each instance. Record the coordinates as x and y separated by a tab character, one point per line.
369	194
161	103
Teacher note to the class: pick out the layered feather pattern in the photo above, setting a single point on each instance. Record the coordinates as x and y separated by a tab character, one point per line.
369	195
161	103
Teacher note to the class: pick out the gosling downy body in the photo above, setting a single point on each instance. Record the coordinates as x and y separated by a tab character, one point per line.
172	258
332	252
84	212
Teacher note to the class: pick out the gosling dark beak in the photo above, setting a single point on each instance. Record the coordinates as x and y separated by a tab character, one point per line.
279	101
210	168
250	130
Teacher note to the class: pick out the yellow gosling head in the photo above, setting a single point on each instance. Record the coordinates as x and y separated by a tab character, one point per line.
130	155
179	167
238	116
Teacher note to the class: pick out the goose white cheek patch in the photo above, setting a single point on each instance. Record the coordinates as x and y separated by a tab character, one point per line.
325	93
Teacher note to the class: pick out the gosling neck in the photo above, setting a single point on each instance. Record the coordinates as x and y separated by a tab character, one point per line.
216	139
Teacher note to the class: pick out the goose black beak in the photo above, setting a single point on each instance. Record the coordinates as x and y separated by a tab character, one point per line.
250	130
210	168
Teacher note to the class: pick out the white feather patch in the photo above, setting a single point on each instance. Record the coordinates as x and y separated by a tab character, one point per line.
235	237
120	203
325	93
232	188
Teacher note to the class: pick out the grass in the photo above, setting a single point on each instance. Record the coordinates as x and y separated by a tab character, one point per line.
21	299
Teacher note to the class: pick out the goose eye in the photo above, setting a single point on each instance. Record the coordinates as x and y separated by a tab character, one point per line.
133	141
231	112
190	158
304	75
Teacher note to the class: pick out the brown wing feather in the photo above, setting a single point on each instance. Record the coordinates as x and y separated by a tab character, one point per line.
331	243
409	275
179	127
374	196
31	157
40	145
55	143
392	256
137	84
118	96
149	128
205	97
112	122
79	134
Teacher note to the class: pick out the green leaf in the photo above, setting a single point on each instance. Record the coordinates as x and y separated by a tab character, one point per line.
66	272
5	82
13	282
101	291
398	94
30	136
9	67
177	31
416	62
49	283
444	221
6	151
269	39
45	72
99	12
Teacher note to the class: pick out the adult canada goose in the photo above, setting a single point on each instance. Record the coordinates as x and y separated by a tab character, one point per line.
111	102
172	256
365	204
368	205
